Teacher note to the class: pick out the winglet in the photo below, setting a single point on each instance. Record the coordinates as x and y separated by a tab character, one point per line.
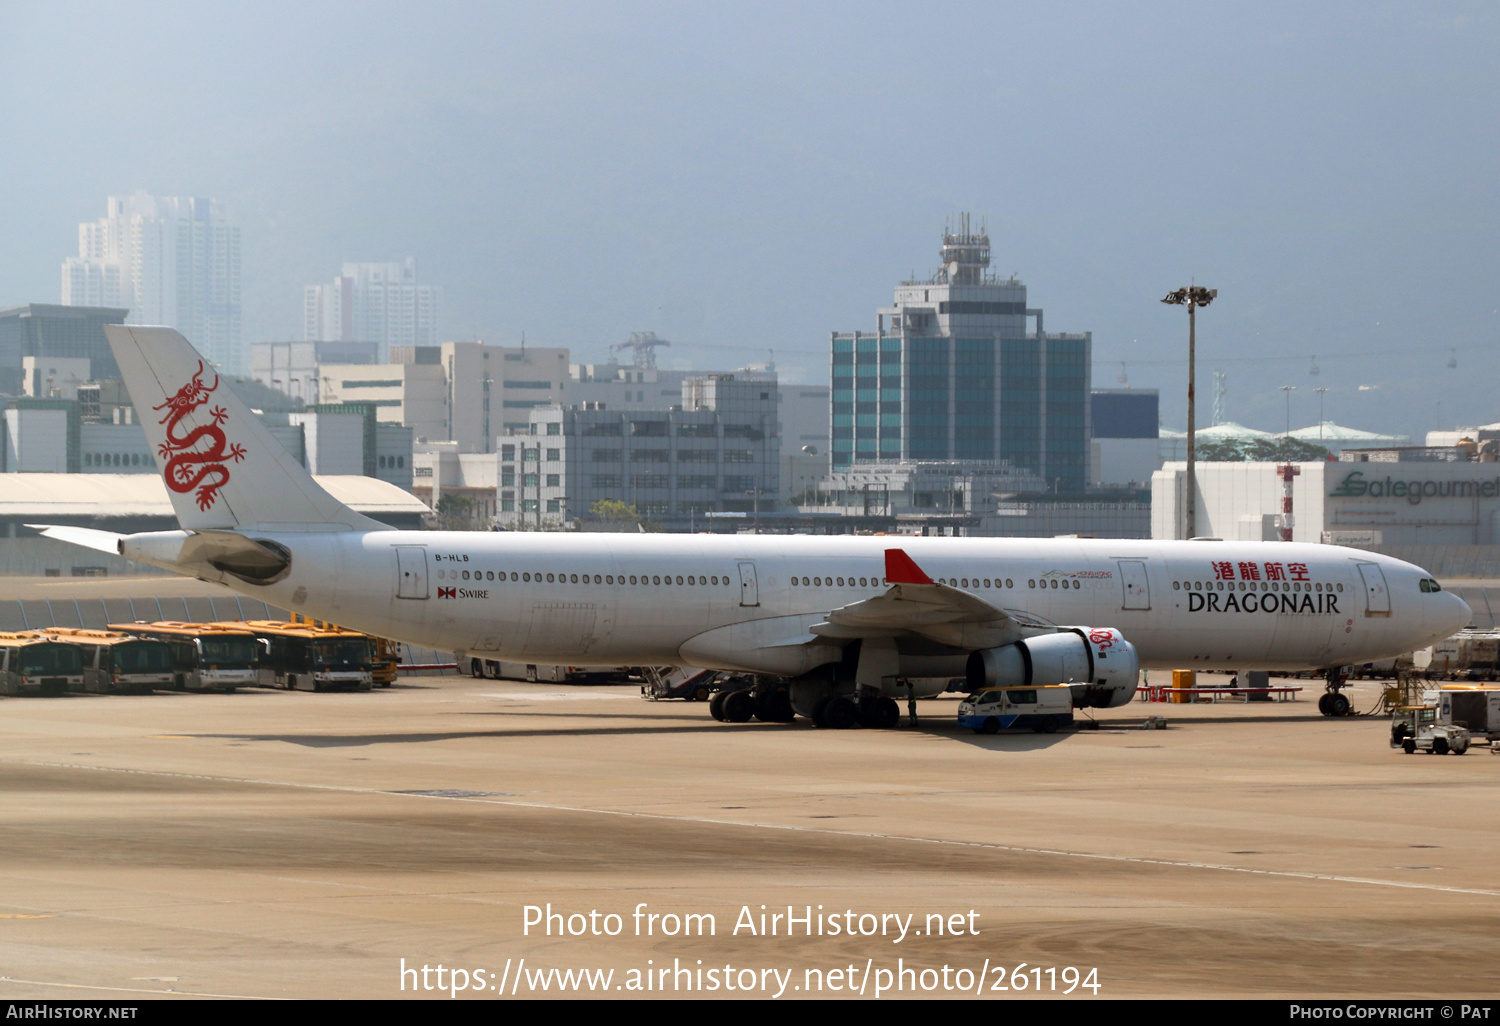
901	569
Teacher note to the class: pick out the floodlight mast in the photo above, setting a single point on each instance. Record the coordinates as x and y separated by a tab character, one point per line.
1191	296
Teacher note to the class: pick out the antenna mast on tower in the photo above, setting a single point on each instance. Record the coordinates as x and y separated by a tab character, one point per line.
642	345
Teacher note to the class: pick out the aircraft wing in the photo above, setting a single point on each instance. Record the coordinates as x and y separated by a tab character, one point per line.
915	604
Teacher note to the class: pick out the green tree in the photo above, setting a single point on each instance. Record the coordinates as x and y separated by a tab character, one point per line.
613	511
456	513
1280	449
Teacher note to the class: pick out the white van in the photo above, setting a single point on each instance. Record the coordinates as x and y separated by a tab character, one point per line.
1043	709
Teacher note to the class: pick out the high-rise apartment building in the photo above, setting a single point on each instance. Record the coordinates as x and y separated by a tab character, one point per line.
381	302
951	373
171	260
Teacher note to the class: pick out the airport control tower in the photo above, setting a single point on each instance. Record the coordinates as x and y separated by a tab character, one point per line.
951	373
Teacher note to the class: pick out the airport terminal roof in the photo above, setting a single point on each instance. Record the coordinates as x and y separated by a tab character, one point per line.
1228	429
1328	432
105	496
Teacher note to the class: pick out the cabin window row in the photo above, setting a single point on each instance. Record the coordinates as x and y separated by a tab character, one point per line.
1251	586
556	578
837	582
868	582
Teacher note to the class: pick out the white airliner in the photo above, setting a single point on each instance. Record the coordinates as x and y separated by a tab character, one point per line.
833	628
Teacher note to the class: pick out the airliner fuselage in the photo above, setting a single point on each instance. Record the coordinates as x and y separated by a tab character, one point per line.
848	622
748	602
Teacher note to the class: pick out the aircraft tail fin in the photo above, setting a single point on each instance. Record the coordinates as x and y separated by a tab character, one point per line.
222	467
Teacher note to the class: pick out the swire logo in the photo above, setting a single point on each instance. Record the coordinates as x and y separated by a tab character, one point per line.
447	593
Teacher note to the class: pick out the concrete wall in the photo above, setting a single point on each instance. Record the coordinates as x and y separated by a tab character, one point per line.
1233	498
1448	561
36	441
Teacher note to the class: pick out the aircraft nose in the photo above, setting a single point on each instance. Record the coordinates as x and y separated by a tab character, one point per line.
1455	614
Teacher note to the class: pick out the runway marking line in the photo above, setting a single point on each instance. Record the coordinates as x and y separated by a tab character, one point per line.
788	827
134	990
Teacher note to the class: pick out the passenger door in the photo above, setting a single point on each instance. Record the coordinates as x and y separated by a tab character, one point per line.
749	588
1133	580
411	572
1377	597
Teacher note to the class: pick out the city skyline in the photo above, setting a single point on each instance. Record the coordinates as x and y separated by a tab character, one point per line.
1320	168
171	260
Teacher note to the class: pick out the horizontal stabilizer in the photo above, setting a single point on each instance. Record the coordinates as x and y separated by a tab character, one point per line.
88	537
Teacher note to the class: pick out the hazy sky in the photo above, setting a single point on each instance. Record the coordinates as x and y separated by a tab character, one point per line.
749	177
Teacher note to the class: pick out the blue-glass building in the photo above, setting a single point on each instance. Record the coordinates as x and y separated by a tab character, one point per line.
951	373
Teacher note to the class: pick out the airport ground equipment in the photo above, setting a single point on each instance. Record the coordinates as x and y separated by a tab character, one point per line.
1468	655
205	656
385	653
31	663
691	683
1415	728
1247	685
387	662
117	662
304	657
1476	709
1043	709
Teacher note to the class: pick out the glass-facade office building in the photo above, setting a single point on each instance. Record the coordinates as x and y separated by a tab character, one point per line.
952	374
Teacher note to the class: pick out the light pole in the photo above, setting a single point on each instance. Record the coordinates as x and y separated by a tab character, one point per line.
1191	296
1321	392
1289	389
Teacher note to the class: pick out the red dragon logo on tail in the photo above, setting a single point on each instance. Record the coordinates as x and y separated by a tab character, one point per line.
189	464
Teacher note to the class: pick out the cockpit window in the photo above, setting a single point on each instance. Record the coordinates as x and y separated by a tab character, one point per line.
1428	585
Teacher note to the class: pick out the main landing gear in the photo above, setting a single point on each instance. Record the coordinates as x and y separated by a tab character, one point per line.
1333	701
839	712
769	703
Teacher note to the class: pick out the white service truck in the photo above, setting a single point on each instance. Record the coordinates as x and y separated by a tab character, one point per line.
1415	728
1475	708
1043	709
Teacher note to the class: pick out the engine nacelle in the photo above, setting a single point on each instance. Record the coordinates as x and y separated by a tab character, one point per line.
1098	662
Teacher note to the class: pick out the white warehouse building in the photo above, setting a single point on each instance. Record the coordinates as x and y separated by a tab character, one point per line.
1422	505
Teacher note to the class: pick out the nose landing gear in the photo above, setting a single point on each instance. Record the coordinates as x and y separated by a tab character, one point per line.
1333	701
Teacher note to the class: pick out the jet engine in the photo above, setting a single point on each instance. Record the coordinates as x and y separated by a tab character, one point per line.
1098	662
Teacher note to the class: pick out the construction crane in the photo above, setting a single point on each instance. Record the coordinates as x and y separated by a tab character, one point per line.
643	347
